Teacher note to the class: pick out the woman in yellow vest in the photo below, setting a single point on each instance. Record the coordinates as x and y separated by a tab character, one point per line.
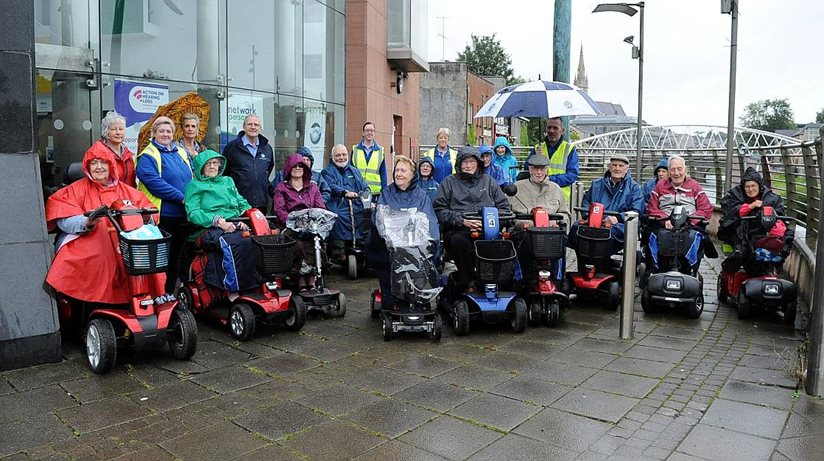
163	172
443	156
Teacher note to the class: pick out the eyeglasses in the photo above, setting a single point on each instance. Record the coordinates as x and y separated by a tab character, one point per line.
213	163
369	130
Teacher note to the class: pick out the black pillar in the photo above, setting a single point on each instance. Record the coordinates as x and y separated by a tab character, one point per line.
28	318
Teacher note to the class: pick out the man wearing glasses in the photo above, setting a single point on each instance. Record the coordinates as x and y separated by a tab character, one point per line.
368	157
249	160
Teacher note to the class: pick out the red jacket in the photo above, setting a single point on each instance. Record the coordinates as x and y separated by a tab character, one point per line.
125	164
665	196
89	267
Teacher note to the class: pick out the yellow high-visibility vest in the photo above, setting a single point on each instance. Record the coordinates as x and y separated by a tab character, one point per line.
453	157
370	170
558	162
152	152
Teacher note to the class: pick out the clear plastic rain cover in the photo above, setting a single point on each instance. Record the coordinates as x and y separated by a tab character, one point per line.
312	221
407	237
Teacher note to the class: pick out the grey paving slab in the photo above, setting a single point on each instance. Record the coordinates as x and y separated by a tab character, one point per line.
5	387
474	377
283	364
171	396
436	396
531	390
427	366
495	411
764	361
508	362
621	384
390	417
718	443
595	404
746	418
97	387
30	404
270	453
608	346
28	378
281	419
516	447
33	432
589	359
231	379
383	381
763	376
802	448
222	440
102	413
395	449
562	429
561	373
215	354
679	332
450	438
527	346
334	440
771	396
804	425
336	399
640	367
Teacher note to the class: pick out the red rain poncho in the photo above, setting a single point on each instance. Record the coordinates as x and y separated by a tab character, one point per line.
88	266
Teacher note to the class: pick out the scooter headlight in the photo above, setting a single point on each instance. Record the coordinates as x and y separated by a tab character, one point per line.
272	286
772	289
673	284
544	275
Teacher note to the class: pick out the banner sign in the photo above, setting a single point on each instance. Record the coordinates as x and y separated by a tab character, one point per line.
315	135
137	102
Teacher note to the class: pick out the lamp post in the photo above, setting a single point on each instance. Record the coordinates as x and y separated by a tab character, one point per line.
630	9
731	7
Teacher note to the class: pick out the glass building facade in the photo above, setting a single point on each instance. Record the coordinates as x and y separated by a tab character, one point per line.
281	59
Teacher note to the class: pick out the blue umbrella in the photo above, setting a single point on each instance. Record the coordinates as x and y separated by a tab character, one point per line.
539	99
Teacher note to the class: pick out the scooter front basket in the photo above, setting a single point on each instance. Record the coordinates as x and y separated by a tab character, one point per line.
274	254
496	259
593	242
145	256
672	243
547	242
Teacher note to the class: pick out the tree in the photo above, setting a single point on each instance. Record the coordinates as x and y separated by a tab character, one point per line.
486	56
769	115
819	116
470	135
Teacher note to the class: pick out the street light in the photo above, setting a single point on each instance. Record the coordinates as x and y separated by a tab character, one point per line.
731	7
630	9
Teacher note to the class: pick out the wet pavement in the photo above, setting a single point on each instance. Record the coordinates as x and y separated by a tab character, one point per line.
681	389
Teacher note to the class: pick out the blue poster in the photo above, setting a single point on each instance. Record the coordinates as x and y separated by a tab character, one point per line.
137	102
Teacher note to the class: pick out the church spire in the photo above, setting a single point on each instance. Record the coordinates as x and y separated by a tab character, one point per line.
581	76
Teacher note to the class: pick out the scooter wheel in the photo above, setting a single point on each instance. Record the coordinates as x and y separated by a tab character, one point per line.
186	299
242	321
722	289
553	314
695	309
374	311
519	315
646	302
435	335
790	311
352	267
387	329
460	317
614	298
101	345
743	306
534	314
341	308
182	334
297	317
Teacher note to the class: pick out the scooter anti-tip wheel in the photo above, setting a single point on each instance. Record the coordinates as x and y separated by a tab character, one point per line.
535	313
435	334
352	267
386	328
553	314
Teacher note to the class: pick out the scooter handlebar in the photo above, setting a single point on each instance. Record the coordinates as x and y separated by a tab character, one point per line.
528	216
606	212
502	216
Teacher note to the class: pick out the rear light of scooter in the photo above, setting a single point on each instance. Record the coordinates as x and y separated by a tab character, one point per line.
475	234
544	275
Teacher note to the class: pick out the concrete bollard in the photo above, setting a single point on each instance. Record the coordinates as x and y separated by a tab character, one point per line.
628	275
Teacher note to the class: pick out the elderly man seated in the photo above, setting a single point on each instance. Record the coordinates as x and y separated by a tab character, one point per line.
618	192
536	191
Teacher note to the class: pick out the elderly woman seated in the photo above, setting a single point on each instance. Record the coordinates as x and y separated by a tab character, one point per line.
211	199
87	266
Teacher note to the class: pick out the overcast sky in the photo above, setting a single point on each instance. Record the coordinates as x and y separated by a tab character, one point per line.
687	58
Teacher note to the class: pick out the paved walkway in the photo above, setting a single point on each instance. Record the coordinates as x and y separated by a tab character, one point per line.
712	388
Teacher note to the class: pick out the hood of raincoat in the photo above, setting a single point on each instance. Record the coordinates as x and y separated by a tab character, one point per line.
306	152
502	141
292	161
429	161
105	155
200	160
661	164
463	154
751	175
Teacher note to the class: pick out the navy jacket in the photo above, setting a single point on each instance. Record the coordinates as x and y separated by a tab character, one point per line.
625	196
341	181
251	174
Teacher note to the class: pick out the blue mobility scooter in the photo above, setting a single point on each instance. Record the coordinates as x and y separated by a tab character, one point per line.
495	299
411	275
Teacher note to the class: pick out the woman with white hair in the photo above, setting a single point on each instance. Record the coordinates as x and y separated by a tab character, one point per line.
443	156
112	134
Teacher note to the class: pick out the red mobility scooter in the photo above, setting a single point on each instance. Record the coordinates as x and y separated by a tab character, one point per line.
543	291
151	318
598	272
757	284
269	303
